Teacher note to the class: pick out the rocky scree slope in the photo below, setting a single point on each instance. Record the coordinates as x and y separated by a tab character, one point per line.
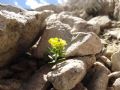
92	30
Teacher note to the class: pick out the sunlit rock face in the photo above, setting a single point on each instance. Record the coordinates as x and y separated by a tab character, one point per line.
91	6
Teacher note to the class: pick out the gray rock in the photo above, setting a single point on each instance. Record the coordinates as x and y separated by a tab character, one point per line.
99	78
18	32
102	21
68	74
80	86
117	10
54	28
115	61
78	24
114	32
116	84
91	6
84	44
38	81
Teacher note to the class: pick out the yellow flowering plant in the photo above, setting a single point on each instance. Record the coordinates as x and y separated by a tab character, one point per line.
57	49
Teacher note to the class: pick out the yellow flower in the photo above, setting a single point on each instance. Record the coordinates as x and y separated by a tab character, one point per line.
57	42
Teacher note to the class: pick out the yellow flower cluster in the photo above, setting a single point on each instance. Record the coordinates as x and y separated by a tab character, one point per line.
57	42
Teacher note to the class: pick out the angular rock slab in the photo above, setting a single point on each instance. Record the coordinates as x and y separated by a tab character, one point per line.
102	21
84	44
18	32
68	74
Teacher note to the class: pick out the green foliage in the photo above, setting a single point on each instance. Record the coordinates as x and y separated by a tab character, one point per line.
57	50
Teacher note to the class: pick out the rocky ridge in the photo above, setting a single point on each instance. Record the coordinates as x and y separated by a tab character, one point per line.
92	51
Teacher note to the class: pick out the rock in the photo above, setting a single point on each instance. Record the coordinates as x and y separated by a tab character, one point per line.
80	86
18	32
78	24
38	81
111	49
10	84
113	76
55	8
117	10
104	7
102	21
84	44
62	26
105	61
54	28
110	88
68	74
11	8
98	78
114	32
116	84
115	61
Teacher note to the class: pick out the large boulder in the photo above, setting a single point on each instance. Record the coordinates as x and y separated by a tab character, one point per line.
91	6
115	61
102	21
18	32
60	25
84	44
68	74
54	28
78	24
11	8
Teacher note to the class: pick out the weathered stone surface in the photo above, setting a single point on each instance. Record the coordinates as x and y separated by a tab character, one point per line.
116	84
55	8
78	24
114	32
111	49
113	76
115	61
11	8
105	61
117	10
110	88
68	74
84	44
102	21
18	32
98	77
80	86
10	84
54	28
91	6
38	81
